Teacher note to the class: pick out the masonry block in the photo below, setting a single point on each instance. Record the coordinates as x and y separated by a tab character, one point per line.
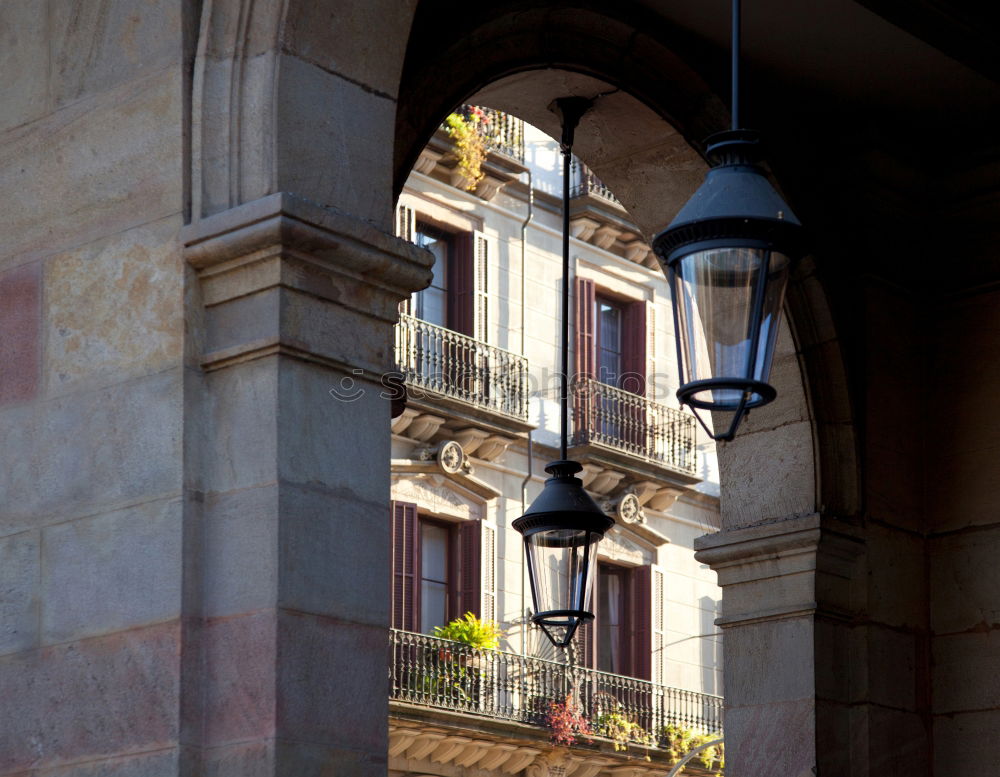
20	569
120	693
772	739
86	290
159	764
90	451
20	325
964	579
111	572
753	676
965	671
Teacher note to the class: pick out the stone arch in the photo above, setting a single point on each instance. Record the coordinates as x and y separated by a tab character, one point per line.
644	138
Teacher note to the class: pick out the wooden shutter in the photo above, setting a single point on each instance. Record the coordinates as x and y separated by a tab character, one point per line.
461	315
482	255
585	301
477	570
405	536
657	579
646	618
634	343
586	635
651	349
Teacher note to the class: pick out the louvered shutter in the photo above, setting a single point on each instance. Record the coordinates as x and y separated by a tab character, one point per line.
405	534
583	411
488	569
644	619
482	255
461	316
586	634
634	351
406	228
477	570
656	595
651	348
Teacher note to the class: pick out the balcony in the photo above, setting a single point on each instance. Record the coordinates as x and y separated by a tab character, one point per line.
444	675
501	132
440	364
617	420
583	182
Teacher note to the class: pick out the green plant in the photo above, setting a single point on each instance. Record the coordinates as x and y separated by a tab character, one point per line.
680	741
471	631
620	730
470	148
567	722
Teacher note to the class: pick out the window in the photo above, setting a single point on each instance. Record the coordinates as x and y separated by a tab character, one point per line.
431	304
626	637
611	338
608	341
440	569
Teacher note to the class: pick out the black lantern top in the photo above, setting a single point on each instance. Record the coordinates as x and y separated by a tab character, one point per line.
735	206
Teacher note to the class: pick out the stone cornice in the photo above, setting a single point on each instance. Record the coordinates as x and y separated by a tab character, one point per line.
326	237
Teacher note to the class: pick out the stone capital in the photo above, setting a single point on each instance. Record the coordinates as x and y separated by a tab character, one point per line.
285	275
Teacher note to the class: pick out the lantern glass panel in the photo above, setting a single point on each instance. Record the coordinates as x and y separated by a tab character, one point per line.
561	563
715	291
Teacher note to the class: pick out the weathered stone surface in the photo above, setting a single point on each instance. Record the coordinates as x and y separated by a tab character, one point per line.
111	572
966	742
240	526
89	700
91	451
335	37
158	764
20	569
86	290
964	579
94	168
898	743
965	676
753	676
240	411
327	123
783	486
245	759
334	553
20	323
24	55
239	683
897	577
327	666
96	46
772	739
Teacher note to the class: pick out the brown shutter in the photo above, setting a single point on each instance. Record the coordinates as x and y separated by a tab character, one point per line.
469	569
634	348
641	622
585	301
583	412
405	534
586	634
461	316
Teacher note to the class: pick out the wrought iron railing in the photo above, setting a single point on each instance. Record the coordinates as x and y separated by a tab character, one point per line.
615	418
440	361
502	132
491	683
583	181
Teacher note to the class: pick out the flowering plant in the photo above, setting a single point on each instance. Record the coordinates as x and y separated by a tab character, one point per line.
470	148
567	722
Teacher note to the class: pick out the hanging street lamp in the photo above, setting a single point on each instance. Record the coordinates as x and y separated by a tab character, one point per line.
727	255
564	525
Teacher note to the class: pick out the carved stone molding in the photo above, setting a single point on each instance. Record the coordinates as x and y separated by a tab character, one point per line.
427	161
402	422
605	236
283	275
664	499
583	228
424	426
605	481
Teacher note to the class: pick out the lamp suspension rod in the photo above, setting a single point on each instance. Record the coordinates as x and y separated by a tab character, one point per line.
567	150
735	109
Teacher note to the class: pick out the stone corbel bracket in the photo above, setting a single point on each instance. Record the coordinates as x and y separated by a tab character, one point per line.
448	459
271	270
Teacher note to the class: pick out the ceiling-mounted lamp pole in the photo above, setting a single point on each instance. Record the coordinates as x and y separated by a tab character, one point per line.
563	526
728	254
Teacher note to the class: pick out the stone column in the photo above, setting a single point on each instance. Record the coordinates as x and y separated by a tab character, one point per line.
287	485
790	594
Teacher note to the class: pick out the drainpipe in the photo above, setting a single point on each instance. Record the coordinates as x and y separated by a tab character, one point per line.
527	478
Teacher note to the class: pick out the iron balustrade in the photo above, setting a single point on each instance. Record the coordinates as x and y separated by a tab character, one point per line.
440	361
449	675
583	181
502	132
615	418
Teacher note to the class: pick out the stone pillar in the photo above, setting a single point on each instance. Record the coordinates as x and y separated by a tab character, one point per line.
790	595
287	487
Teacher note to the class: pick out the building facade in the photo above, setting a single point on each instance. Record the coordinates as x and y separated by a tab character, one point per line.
477	352
199	244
